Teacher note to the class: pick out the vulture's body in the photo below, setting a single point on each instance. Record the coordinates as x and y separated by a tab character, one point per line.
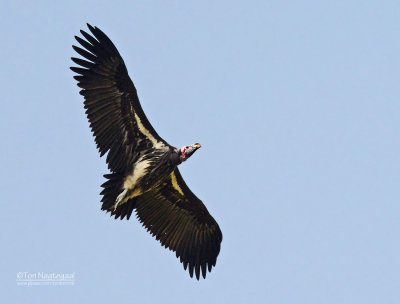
144	168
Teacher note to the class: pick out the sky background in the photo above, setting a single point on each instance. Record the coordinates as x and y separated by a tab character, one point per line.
296	105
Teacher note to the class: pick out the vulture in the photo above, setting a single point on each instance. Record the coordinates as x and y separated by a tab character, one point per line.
144	175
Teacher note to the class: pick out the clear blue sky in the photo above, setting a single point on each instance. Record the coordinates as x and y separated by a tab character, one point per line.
296	104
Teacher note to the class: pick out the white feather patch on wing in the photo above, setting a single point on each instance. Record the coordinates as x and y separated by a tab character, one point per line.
139	171
157	144
175	183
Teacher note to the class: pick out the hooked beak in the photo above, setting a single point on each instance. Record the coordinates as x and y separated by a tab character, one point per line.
188	151
193	149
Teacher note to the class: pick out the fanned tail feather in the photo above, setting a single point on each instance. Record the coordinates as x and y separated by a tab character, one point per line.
113	188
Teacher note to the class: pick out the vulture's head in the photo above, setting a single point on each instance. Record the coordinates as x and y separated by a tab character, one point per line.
187	151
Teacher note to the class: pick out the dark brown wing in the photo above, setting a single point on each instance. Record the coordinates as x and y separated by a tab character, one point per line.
181	222
116	118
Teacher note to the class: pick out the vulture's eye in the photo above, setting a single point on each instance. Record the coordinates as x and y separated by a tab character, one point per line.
187	147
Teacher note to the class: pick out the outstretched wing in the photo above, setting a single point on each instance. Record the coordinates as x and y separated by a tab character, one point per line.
181	222
116	117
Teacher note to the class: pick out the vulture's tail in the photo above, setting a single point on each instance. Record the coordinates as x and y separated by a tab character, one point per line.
112	189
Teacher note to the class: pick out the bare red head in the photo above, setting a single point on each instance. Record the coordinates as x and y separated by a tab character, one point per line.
187	151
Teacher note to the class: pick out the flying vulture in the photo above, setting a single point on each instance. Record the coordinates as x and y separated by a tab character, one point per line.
144	168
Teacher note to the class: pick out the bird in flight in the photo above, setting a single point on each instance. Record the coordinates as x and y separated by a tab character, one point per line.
144	168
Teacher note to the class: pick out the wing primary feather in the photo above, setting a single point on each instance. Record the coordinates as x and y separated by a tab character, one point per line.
89	38
86	45
83	63
84	53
